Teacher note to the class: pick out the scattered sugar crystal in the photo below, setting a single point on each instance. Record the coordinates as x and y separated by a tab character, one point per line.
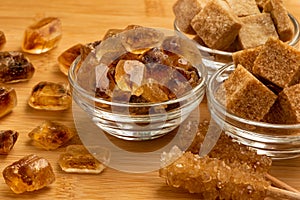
28	174
42	36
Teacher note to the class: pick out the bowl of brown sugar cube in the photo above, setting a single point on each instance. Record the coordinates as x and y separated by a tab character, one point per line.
256	99
223	27
139	83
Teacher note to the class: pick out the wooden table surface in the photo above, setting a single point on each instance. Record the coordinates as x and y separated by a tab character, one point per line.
86	21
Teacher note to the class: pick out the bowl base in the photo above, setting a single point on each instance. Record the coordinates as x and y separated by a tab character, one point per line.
284	151
135	135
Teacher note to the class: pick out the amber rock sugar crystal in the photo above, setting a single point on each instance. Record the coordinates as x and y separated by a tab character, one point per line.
8	100
42	36
8	139
50	96
15	67
51	135
2	39
77	159
28	174
66	58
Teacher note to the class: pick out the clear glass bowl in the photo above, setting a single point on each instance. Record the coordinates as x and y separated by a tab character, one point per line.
115	117
215	59
279	141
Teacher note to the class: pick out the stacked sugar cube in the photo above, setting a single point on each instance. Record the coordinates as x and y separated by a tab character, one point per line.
265	86
231	25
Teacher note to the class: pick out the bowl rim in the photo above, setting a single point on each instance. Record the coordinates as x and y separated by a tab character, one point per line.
189	94
216	105
292	42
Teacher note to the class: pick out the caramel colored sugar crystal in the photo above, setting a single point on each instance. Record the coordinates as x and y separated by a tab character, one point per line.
77	159
243	7
15	67
246	57
8	139
50	96
245	96
51	135
184	11
8	100
256	30
281	19
211	178
66	58
278	63
111	33
129	75
2	39
261	3
42	36
286	109
28	174
216	25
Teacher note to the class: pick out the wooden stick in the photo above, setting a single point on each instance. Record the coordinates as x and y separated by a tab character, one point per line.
278	193
280	184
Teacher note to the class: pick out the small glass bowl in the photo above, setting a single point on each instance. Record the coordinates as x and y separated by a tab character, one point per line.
215	59
279	141
116	118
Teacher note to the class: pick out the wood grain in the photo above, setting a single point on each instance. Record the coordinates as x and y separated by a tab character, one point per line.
83	22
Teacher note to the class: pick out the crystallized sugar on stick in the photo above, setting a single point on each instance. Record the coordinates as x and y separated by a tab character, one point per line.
232	153
213	178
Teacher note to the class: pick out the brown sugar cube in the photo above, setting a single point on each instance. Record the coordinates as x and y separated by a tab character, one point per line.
243	7
246	57
286	109
278	63
245	96
184	11
281	19
216	25
256	30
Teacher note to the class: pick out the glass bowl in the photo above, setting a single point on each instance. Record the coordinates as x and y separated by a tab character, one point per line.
215	59
279	141
117	114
